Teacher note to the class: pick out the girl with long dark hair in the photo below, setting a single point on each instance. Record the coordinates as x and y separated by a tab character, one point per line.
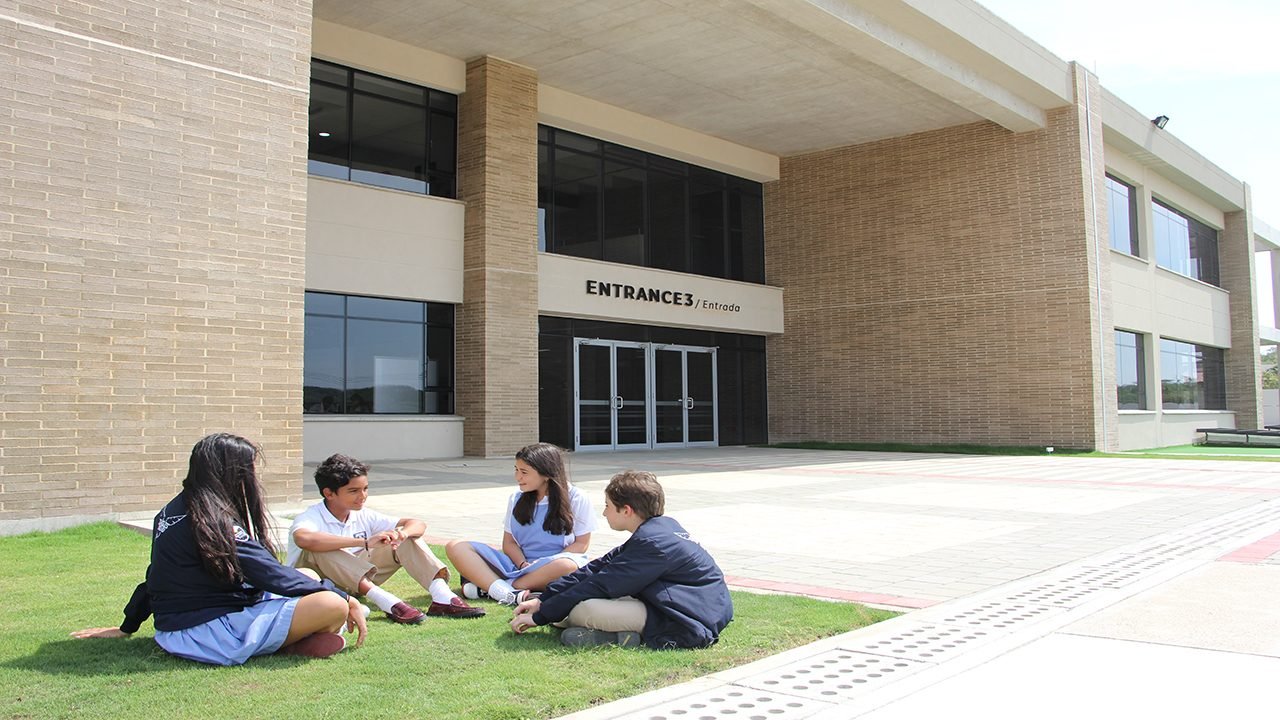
215	587
547	529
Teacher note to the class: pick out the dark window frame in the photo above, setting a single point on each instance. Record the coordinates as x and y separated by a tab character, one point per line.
1205	389
729	256
1201	247
1127	245
433	317
438	181
1139	391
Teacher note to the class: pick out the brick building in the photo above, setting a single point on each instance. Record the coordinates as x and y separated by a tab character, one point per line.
446	228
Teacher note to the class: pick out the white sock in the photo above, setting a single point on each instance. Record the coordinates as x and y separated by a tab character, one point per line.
440	591
383	599
501	591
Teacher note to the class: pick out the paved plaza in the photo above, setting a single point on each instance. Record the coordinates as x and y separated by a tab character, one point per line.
1045	586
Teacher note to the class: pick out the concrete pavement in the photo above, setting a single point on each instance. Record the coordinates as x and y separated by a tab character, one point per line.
1046	586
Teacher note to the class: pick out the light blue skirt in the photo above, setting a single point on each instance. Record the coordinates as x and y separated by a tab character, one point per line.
259	629
506	569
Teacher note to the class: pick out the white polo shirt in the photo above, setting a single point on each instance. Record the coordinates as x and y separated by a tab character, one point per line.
361	524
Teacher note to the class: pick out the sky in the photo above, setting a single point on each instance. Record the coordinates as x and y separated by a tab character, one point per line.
1212	67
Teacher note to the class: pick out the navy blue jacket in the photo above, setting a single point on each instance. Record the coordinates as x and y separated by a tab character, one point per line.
182	594
681	586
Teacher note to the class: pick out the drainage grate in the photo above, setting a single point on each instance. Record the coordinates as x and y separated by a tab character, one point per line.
732	702
1134	562
1057	593
926	643
1103	577
997	615
833	675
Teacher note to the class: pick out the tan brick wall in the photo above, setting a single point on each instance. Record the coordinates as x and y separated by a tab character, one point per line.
497	325
152	209
938	289
1238	276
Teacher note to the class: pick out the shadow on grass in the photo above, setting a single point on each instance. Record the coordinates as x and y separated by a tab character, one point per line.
111	657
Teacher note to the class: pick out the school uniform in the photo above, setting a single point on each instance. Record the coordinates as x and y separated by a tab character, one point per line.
348	566
659	582
203	618
539	546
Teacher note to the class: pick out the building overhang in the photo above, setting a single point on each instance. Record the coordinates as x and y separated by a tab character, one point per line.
779	76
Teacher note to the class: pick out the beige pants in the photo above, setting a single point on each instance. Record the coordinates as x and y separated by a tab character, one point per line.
377	564
624	613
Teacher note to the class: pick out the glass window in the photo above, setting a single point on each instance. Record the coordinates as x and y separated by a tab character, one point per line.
372	355
1122	208
1131	371
1184	244
375	130
1192	377
608	202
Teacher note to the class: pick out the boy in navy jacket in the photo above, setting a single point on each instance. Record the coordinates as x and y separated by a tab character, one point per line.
659	587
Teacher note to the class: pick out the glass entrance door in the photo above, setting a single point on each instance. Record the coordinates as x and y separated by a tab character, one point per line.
684	381
611	395
640	395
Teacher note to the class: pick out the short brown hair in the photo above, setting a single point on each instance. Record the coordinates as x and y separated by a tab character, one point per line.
639	489
337	470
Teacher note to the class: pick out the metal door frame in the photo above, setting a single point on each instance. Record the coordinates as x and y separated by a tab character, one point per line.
615	399
684	351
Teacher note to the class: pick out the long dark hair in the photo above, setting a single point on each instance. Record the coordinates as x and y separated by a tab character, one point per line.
548	460
222	492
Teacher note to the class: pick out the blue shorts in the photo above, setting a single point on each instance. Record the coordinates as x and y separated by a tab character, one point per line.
259	629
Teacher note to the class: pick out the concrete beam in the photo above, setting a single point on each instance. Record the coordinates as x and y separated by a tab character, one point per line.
870	39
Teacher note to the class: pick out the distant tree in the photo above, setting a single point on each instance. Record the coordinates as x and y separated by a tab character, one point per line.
1270	375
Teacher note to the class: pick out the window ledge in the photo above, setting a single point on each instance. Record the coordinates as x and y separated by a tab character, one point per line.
1197	281
383	188
1131	256
1136	412
315	417
1198	412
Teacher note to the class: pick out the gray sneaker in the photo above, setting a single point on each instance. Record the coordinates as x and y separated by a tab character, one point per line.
588	637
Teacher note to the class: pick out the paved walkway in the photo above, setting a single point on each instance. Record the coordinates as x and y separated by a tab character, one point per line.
1048	587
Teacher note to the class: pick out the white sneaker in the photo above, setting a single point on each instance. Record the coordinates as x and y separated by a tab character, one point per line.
517	597
471	591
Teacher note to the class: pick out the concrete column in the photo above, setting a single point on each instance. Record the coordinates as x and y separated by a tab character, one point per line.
1098	256
1236	260
497	325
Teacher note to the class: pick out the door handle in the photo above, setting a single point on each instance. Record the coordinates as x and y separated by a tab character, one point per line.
688	403
617	402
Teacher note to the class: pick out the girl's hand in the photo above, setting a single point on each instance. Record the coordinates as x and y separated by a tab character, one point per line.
355	620
101	632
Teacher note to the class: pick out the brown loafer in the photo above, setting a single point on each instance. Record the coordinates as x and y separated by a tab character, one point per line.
406	614
316	645
455	608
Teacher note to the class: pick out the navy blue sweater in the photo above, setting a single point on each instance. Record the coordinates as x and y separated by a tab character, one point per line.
680	584
182	594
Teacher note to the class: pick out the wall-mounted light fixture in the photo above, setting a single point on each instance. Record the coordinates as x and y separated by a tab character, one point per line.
1160	121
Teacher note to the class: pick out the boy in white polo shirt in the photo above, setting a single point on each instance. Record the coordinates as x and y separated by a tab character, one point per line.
359	549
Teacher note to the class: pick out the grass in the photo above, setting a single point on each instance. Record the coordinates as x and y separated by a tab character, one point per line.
444	668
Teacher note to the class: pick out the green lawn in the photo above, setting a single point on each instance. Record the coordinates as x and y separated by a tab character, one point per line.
59	582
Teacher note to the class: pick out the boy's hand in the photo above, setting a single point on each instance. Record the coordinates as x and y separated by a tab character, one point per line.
529	606
522	622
